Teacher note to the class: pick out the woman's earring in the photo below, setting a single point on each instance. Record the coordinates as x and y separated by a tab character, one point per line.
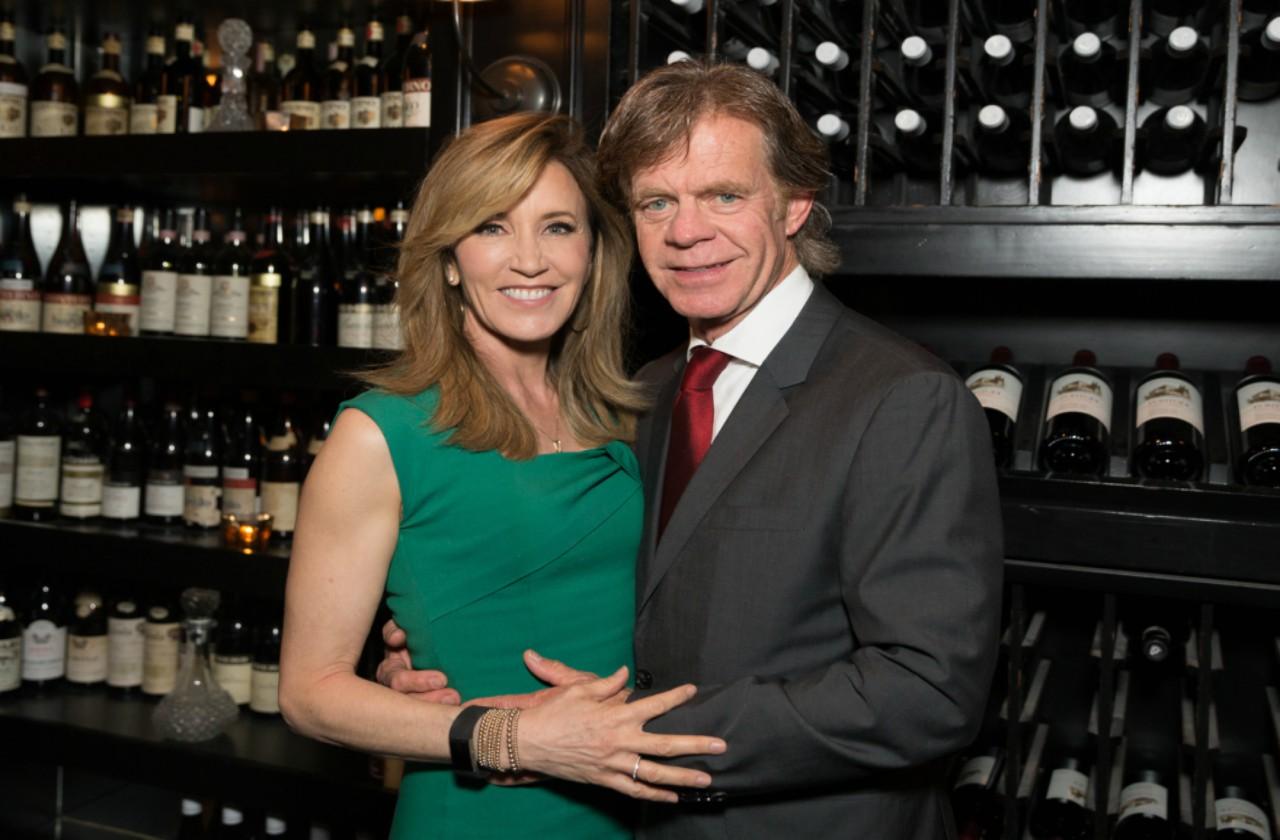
451	275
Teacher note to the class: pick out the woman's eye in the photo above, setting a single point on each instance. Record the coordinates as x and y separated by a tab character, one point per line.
489	229
561	228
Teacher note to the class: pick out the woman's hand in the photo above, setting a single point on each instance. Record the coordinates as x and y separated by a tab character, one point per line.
396	671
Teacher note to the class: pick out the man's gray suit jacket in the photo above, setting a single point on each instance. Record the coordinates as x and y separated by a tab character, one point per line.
831	582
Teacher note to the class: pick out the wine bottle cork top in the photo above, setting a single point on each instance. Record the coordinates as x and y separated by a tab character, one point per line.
916	50
1271	33
998	47
373	32
184	32
678	55
111	44
690	6
1083	118
275	826
1257	365
830	54
306	40
1167	361
155	45
346	38
192	808
909	121
833	126
1179	118
1002	355
1084	358
993	118
761	59
1183	38
231	816
1086	45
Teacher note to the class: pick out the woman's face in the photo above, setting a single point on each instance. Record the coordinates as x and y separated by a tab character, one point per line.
523	271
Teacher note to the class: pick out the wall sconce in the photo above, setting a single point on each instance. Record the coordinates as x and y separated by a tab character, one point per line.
510	84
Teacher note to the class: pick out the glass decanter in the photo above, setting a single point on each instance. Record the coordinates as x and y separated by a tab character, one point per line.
198	708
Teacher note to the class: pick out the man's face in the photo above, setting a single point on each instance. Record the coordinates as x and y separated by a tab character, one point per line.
712	228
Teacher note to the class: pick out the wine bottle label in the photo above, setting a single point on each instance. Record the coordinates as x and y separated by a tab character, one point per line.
164	495
386	327
193	301
264	308
280	499
336	113
264	688
1080	393
166	114
81	487
229	307
998	390
44	651
1067	785
235	674
86	659
121	501
106	115
315	445
1170	396
10	663
53	119
8	449
64	313
126	641
1259	402
392	109
195	120
19	306
1241	815
307	112
366	112
1147	799
977	771
200	495
159	301
239	492
159	656
122	299
13	110
355	325
144	118
36	474
417	103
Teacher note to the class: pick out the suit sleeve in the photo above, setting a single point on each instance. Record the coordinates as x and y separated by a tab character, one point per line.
920	573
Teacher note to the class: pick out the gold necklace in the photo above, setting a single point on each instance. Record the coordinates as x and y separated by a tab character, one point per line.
555	441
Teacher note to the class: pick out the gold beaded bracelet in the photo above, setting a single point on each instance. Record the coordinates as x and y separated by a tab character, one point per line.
512	752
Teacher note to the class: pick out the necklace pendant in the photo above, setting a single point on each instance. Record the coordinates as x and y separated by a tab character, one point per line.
556	444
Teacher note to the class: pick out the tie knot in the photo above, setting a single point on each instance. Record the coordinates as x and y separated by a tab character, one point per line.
705	366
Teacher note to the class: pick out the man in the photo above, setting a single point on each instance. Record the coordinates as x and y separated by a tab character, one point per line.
822	550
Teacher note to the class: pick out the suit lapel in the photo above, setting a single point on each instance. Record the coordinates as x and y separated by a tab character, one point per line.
654	435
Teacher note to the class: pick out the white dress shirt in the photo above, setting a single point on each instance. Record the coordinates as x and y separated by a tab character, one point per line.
752	339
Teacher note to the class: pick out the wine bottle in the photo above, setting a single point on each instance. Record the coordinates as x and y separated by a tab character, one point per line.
320	429
36	461
1090	71
1169	415
233	655
998	387
1092	15
162	635
19	273
1163	16
229	298
126	642
1258	404
193	298
10	644
1085	141
282	470
302	95
1144	806
8	455
232	825
1238	813
1077	431
158	306
144	111
106	94
87	643
1179	65
392	73
124	469
55	96
1174	140
366	101
1008	73
1002	139
181	108
202	454
44	637
928	17
163	496
416	83
1015	18
1064	812
67	293
119	288
264	84
335	111
264	682
356	300
1259	63
386	313
270	277
13	84
924	72
315	320
191	824
240	465
83	472
918	141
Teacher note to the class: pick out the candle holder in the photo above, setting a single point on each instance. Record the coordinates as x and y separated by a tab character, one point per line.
246	533
106	323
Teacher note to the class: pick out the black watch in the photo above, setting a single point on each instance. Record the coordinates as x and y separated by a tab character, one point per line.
460	733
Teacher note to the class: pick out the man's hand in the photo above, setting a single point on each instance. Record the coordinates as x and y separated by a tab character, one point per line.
396	672
553	672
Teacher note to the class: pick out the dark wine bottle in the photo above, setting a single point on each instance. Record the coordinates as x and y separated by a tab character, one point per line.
1064	811
68	283
13	82
924	72
202	454
10	644
229	300
126	640
8	456
181	106
1008	72
125	468
55	96
232	657
144	111
1238	813
366	96
264	689
927	17
119	289
231	824
107	94
386	313
975	795
1002	139
1258	404
87	646
315	320
44	637
1090	72
392	71
998	387
1015	18
321	426
191	824
415	82
80	493
1144	806
160	278
162	636
301	94
1169	415
36	461
269	281
264	83
20	280
1163	16
1085	142
1260	62
357	299
282	470
194	295
241	464
163	497
1093	15
1175	140
1179	65
1077	431
919	142
335	111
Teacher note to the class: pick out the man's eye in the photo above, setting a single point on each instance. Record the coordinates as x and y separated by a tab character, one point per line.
654	205
726	198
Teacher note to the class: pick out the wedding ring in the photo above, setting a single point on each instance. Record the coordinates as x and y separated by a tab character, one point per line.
635	771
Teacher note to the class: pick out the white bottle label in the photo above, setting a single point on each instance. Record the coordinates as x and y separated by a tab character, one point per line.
10	663
144	118
1259	402
280	499
13	110
264	688
53	119
1170	396
200	501
1241	815
8	449
64	313
193	301
264	309
977	771
336	113
417	103
166	114
235	674
81	487
195	120
355	325
1068	786
159	301
159	657
229	307
163	499
386	327
105	122
126	640
19	306
366	112
44	651
392	109
86	659
121	501
308	112
1082	393
36	475
998	390
239	492
127	305
1146	798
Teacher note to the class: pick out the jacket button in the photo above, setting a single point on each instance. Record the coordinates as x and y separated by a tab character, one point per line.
644	679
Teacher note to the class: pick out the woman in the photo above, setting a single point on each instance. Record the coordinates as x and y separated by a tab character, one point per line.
486	485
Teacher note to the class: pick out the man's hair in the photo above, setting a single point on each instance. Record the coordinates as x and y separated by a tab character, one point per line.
654	121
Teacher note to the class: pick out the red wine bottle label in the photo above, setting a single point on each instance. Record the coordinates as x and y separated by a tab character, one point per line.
307	112
1170	396
1066	785
166	114
1241	815
977	771
193	301
355	325
998	390
144	118
392	109
13	110
126	638
159	301
366	112
36	474
280	499
44	651
10	659
159	657
417	103
81	487
53	119
1259	402
8	453
239	492
86	659
1081	393
64	313
19	305
122	299
235	674
121	501
200	494
336	113
264	688
1147	799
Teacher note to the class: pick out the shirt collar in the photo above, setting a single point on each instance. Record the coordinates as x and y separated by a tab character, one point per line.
753	338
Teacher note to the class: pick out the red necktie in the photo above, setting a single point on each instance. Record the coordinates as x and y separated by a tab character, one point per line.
691	420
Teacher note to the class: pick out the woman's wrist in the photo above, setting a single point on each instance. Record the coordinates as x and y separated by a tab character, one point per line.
462	741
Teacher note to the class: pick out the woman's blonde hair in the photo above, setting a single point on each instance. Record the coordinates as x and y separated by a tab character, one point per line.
482	173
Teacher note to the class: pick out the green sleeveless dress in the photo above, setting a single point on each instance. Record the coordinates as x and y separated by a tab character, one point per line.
495	556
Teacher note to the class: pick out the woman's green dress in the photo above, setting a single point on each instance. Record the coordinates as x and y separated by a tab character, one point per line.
495	556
